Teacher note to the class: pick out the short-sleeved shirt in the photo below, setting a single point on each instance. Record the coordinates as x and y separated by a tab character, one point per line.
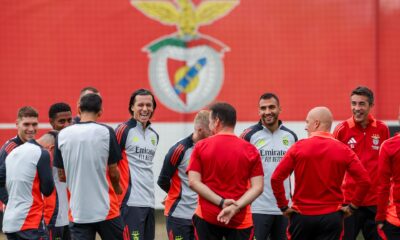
226	164
84	150
272	147
138	146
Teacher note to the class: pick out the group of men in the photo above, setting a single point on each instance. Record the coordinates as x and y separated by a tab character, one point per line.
218	185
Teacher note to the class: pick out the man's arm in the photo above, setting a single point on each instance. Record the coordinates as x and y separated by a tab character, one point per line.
114	177
61	175
255	190
384	176
3	175
45	174
171	163
205	192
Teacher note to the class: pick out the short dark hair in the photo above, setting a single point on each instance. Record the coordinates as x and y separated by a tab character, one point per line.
225	112
57	108
91	102
269	95
89	88
364	91
141	92
27	111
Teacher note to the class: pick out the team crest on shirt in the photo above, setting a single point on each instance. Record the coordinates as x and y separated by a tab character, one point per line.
375	141
285	141
153	141
186	70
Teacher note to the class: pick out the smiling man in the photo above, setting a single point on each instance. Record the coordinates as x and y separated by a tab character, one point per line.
27	126
364	135
272	139
60	116
138	142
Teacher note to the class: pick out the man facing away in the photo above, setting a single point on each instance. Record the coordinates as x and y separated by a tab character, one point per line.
181	201
86	155
227	173
56	205
27	125
319	164
364	135
388	211
272	139
138	142
27	175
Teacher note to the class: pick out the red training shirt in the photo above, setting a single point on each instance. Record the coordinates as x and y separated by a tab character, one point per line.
389	182
319	165
226	164
365	143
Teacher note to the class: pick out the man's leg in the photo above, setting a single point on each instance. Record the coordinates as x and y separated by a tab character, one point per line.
369	230
150	225
262	225
330	226
353	225
301	227
240	234
135	218
82	231
111	229
179	228
391	231
278	231
206	231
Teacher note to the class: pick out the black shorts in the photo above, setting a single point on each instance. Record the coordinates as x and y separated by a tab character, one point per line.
140	222
108	229
180	228
391	232
322	227
31	234
59	233
207	231
271	227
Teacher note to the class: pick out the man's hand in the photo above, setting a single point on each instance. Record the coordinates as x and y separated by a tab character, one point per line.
228	202
288	212
348	210
227	213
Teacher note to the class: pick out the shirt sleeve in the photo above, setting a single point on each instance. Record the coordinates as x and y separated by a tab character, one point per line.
357	171
45	174
58	160
384	176
2	175
115	149
170	165
282	171
257	168
3	190
195	161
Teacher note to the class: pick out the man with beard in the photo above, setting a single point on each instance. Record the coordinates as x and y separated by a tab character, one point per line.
364	135
138	142
272	139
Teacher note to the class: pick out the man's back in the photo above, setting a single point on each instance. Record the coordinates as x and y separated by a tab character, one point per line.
23	183
320	163
226	164
84	150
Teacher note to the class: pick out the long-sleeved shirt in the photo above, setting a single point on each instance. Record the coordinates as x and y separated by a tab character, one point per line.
389	182
365	143
319	164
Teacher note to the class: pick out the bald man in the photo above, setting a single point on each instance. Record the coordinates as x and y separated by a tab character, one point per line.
321	161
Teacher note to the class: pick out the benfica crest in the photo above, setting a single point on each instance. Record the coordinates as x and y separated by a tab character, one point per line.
186	70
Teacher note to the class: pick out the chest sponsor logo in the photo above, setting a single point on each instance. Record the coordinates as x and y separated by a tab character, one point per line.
272	155
352	142
186	69
375	141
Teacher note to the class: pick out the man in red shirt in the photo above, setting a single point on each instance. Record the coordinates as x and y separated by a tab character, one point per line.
364	135
319	164
388	213
220	170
